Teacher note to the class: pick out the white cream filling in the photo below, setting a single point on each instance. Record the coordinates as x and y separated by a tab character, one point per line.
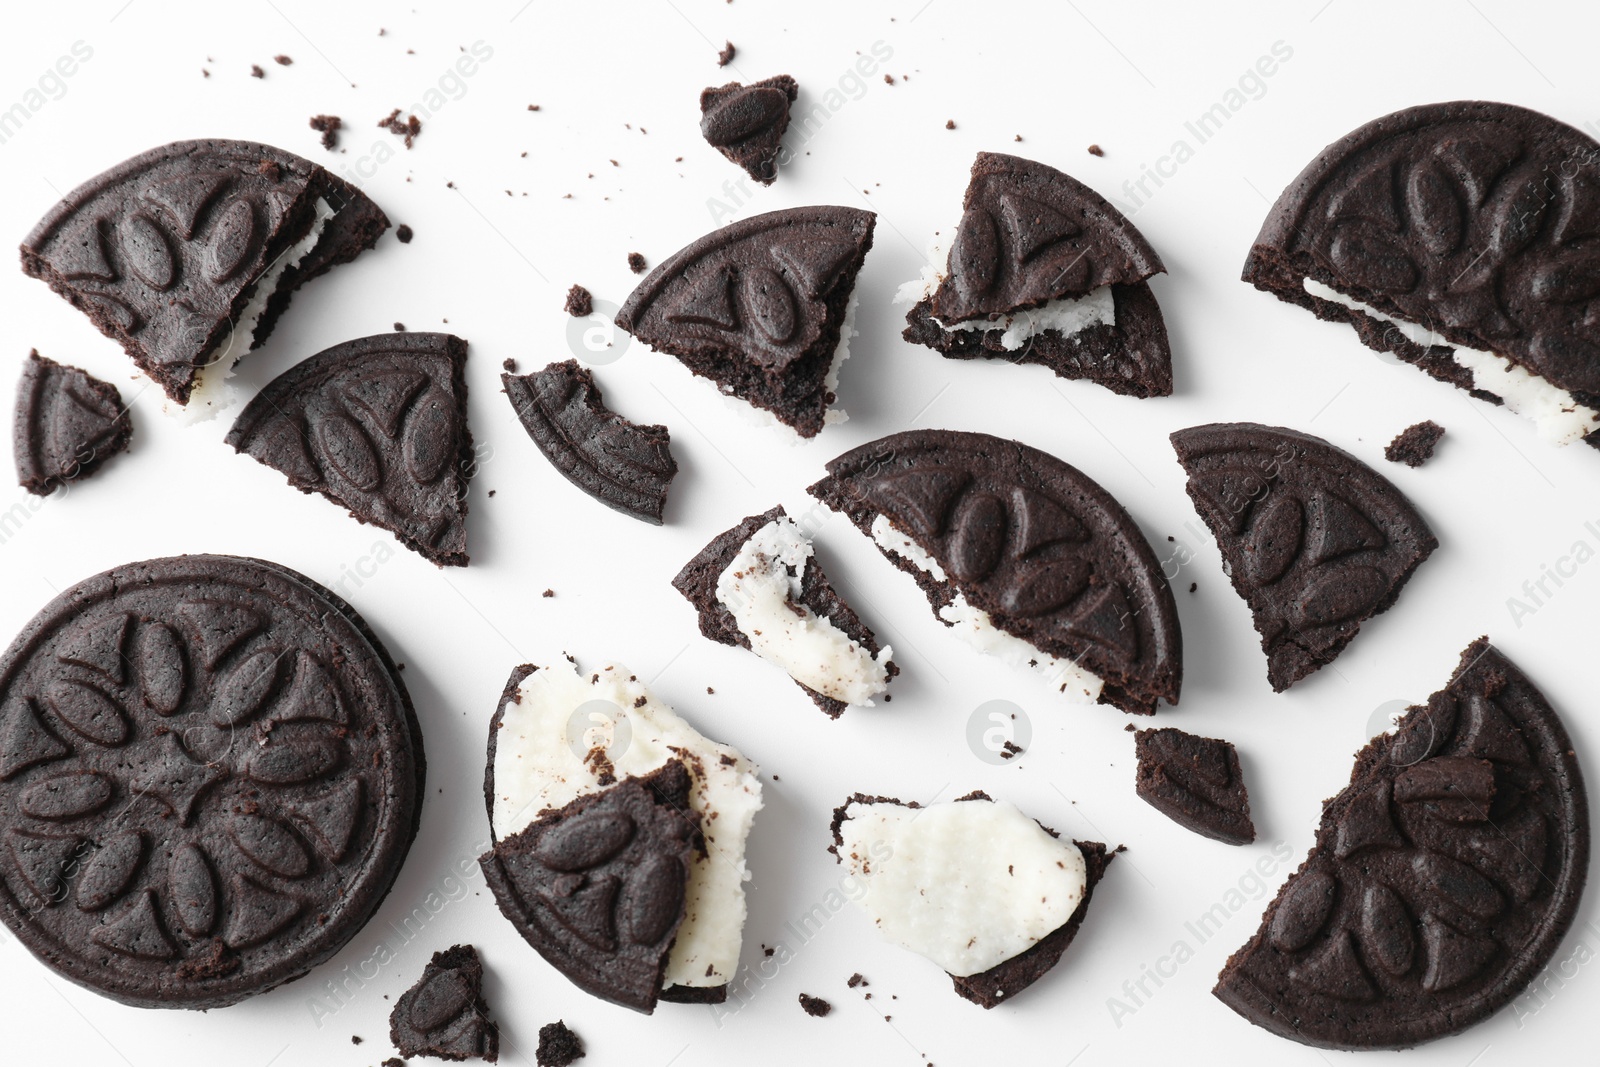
537	769
974	626
1559	418
969	884
762	595
1065	314
834	415
212	392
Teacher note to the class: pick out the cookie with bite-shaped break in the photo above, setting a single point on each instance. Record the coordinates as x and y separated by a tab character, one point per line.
67	423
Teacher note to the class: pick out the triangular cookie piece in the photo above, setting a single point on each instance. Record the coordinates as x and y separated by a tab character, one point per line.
67	423
444	1014
746	122
400	458
1315	541
761	307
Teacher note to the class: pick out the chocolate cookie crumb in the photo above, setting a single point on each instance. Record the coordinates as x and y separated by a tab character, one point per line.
1096	150
399	327
256	71
636	262
1010	750
407	129
508	365
548	593
283	61
558	1046
327	125
725	56
533	107
1415	444
816	1007
710	691
888	79
949	124
580	302
404	233
855	980
355	1039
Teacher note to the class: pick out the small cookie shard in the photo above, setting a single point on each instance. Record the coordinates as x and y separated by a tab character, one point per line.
1442	880
1195	782
759	586
976	886
377	425
558	1045
67	423
1461	237
746	122
1314	540
1042	269
569	750
187	254
763	308
1024	556
1414	445
626	467
444	1014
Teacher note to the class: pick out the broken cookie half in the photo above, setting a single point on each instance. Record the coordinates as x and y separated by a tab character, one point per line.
759	586
618	836
976	886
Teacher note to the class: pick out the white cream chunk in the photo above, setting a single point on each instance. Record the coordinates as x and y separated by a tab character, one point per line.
537	767
761	589
1559	417
974	626
969	884
212	392
1066	314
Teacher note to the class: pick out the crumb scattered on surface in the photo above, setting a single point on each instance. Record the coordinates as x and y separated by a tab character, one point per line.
855	980
636	262
558	1046
256	71
283	61
407	129
814	1006
710	691
888	79
508	365
328	126
1096	150
1130	728
580	302
491	492
403	233
1010	750
355	1039
533	107
949	124
399	327
1415	444
548	593
1193	586
725	56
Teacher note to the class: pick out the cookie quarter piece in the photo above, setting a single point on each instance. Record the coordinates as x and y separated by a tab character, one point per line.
1463	237
1442	879
618	836
1042	269
759	586
763	307
210	774
1195	782
988	894
1314	540
187	254
377	425
626	467
444	1014
1023	556
746	123
67	423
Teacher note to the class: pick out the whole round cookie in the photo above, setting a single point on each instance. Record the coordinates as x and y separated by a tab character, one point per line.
210	774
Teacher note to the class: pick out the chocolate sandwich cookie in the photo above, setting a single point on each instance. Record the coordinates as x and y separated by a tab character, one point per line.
1042	269
1023	555
1442	880
624	466
67	423
761	307
1461	237
377	425
444	1014
1314	540
210	774
759	586
1012	899
746	123
187	254
1195	782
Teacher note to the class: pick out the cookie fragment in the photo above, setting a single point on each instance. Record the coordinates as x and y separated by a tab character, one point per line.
746	122
1315	541
1414	445
66	424
444	1015
558	1046
815	1007
759	586
580	302
328	126
626	467
1443	877
377	425
1194	781
725	56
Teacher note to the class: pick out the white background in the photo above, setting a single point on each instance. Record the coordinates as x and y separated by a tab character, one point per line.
496	267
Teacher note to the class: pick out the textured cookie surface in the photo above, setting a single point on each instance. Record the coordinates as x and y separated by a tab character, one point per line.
1047	553
1442	880
1414	445
210	774
624	466
746	122
759	307
378	425
1195	782
444	1014
1316	542
163	251
67	423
